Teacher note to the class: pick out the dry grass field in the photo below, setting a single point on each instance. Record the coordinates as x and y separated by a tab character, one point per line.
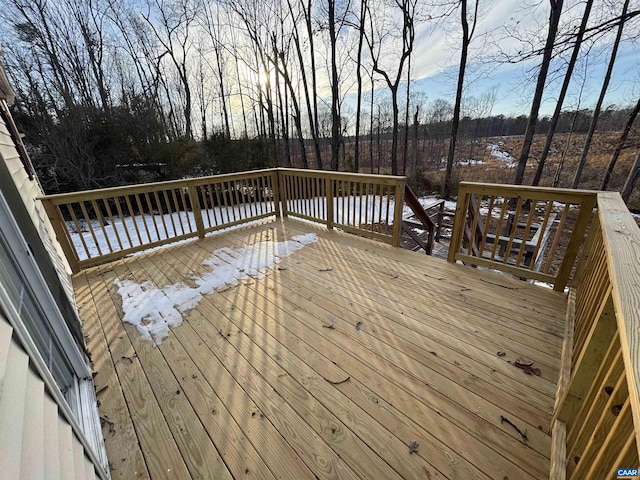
493	160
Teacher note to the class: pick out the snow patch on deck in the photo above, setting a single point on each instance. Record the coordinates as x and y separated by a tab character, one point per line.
153	311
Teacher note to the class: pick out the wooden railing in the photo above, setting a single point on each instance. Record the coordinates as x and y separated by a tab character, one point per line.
115	222
429	220
99	226
597	414
533	233
367	205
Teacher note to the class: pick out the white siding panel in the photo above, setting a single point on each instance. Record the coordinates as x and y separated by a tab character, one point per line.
13	389
67	463
89	471
5	342
78	458
51	432
33	440
15	165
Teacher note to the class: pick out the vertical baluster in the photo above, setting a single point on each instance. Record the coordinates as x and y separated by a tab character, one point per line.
487	226
543	228
178	212
556	238
88	220
161	212
167	201
153	215
122	221
220	207
525	235
387	223
185	208
233	200
142	215
134	220
113	223
244	193
79	230
352	200
496	242
100	219
474	223
345	205
514	229
211	208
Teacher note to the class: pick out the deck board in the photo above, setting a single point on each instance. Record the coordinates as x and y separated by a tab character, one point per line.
254	384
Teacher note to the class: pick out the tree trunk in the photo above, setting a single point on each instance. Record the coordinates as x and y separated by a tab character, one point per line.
414	146
356	149
554	19
603	92
406	121
447	188
335	115
556	177
631	179
223	93
314	81
371	125
394	133
619	146
563	92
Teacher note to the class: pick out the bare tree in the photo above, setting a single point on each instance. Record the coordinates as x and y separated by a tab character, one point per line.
555	12
621	144
563	91
171	23
307	94
603	92
467	35
375	39
632	178
361	33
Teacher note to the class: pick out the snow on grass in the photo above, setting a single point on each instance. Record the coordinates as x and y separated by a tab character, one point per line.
469	162
496	151
153	311
144	229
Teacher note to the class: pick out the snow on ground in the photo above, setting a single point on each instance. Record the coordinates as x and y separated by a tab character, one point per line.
127	229
496	151
352	210
155	310
469	162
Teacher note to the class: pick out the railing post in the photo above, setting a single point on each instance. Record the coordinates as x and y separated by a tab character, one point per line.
329	194
196	208
62	234
458	223
397	213
577	236
276	175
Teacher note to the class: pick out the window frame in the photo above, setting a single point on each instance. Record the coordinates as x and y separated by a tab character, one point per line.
82	414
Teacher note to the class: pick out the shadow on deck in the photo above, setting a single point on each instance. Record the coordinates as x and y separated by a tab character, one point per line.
350	359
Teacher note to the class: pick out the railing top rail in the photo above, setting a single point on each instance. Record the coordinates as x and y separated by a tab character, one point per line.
621	237
145	187
526	189
330	174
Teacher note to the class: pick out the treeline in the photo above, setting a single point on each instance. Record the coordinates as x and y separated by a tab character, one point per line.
115	91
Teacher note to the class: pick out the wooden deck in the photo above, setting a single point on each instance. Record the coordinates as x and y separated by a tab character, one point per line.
330	367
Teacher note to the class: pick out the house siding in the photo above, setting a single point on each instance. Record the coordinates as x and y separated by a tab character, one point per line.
36	440
29	191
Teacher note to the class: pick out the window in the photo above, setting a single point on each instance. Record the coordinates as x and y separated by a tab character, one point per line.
25	297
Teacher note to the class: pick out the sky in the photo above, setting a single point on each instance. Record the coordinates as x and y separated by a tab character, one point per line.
437	51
